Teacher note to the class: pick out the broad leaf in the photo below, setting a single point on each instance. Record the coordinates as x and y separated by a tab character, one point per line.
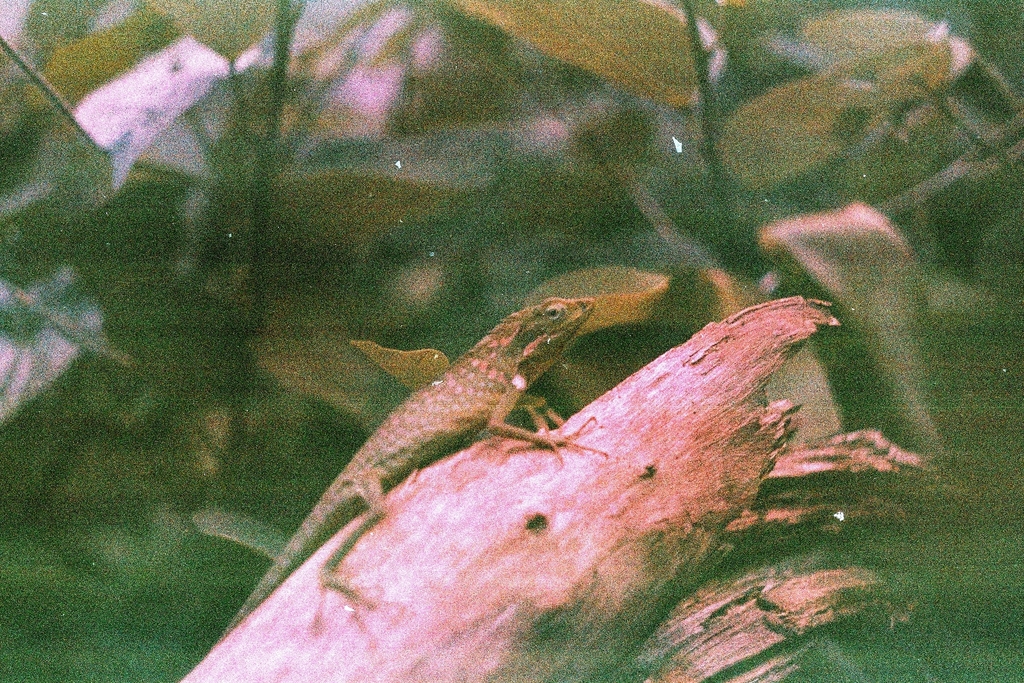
877	63
414	369
640	45
80	67
242	529
69	173
127	114
304	349
802	379
624	295
864	262
796	127
844	36
42	330
227	26
355	189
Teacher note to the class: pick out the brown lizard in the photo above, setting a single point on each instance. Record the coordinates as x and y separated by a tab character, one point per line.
477	392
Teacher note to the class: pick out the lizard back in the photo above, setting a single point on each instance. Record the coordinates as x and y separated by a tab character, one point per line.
434	421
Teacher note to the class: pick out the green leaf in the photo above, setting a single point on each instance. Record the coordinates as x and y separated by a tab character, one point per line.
907	73
862	261
802	379
356	189
242	529
796	127
228	26
42	330
82	66
69	173
640	45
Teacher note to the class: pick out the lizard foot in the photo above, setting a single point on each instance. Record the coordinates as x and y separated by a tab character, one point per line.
544	439
541	421
328	572
569	440
336	583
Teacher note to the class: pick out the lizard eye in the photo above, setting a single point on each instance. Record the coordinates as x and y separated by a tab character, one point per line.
554	312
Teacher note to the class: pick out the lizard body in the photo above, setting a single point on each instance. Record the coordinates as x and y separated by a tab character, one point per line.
477	392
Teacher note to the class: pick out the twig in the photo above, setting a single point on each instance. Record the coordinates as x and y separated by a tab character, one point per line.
267	162
59	103
685	247
1007	151
965	167
707	118
251	319
938	100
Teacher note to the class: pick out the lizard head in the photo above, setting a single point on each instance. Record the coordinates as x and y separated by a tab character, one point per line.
538	335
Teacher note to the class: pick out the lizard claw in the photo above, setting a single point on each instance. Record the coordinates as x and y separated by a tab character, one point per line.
336	583
545	439
570	439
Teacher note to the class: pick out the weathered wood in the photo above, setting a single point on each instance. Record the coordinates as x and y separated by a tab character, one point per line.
512	563
731	624
859	475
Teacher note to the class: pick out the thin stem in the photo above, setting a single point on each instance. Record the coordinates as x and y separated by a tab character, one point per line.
267	159
707	117
942	105
684	246
288	13
251	320
59	103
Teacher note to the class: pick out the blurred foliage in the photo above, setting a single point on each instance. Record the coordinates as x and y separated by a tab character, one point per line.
416	170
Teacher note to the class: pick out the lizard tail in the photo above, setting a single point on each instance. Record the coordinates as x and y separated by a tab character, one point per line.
315	530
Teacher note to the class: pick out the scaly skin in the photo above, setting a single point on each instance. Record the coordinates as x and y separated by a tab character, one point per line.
477	392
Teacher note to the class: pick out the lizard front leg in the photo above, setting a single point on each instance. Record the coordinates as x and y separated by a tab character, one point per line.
369	486
496	423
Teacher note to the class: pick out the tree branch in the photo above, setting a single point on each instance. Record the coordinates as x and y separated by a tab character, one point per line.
511	563
58	102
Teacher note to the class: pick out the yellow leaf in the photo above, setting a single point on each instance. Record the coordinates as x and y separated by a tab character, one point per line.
904	74
640	45
730	295
414	369
876	61
624	295
852	35
77	69
303	348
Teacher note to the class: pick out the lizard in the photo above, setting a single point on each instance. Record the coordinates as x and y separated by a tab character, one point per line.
476	393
